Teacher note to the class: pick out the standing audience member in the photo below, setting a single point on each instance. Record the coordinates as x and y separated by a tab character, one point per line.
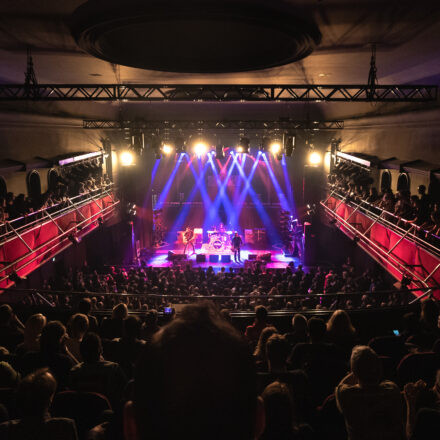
372	407
34	397
253	331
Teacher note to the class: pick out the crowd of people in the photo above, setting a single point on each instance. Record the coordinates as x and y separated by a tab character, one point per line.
240	290
405	209
198	377
69	182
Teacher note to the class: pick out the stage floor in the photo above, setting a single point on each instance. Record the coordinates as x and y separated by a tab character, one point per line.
278	259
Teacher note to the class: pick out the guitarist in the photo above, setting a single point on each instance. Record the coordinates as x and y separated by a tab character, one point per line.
188	239
236	246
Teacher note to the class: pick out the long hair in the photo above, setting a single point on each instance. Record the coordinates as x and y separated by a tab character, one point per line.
339	325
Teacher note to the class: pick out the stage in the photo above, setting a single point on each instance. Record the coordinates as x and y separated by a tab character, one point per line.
277	260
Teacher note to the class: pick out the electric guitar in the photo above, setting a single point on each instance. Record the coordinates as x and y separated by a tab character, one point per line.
188	237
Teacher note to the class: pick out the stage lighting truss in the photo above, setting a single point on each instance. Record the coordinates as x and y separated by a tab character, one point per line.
243	146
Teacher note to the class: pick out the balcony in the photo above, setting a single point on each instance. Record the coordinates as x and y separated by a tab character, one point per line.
401	247
28	242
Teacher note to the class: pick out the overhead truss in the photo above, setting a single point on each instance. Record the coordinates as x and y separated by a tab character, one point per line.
282	124
217	93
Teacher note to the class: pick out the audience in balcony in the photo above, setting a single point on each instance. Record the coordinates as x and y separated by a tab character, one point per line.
72	181
401	208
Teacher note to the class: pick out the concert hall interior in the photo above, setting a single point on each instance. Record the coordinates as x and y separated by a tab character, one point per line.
220	219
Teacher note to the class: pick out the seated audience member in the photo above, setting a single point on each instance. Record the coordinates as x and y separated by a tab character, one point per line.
150	326
260	351
32	333
372	408
423	410
310	357
429	318
277	350
53	354
85	307
341	332
11	329
253	331
96	374
280	415
112	328
77	328
299	330
125	351
196	379
34	397
9	378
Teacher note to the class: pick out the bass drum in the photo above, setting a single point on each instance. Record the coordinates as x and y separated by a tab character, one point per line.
217	244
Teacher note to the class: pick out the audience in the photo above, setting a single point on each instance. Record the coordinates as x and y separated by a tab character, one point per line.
373	408
195	376
34	397
402	208
72	181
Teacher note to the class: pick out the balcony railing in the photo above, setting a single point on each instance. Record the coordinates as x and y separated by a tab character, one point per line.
28	242
403	252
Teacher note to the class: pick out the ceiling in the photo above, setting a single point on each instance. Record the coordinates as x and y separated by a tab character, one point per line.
407	34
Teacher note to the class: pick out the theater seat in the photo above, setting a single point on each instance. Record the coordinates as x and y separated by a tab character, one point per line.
417	366
86	408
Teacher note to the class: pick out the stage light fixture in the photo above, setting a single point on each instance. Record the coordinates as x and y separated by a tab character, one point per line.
167	148
180	145
275	147
243	146
289	145
126	158
315	158
265	144
219	152
200	148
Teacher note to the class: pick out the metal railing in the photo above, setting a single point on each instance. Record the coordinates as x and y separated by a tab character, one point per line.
411	231
61	241
329	301
19	225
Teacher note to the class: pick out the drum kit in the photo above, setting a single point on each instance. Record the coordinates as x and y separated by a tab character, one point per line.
219	240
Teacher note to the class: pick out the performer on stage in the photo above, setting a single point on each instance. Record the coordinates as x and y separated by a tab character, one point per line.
188	239
236	246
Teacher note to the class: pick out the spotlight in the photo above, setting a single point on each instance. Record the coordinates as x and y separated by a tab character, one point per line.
100	221
219	152
167	148
200	148
243	146
315	158
126	158
74	239
275	147
180	145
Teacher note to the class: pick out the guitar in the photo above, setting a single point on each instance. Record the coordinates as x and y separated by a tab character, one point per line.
188	237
